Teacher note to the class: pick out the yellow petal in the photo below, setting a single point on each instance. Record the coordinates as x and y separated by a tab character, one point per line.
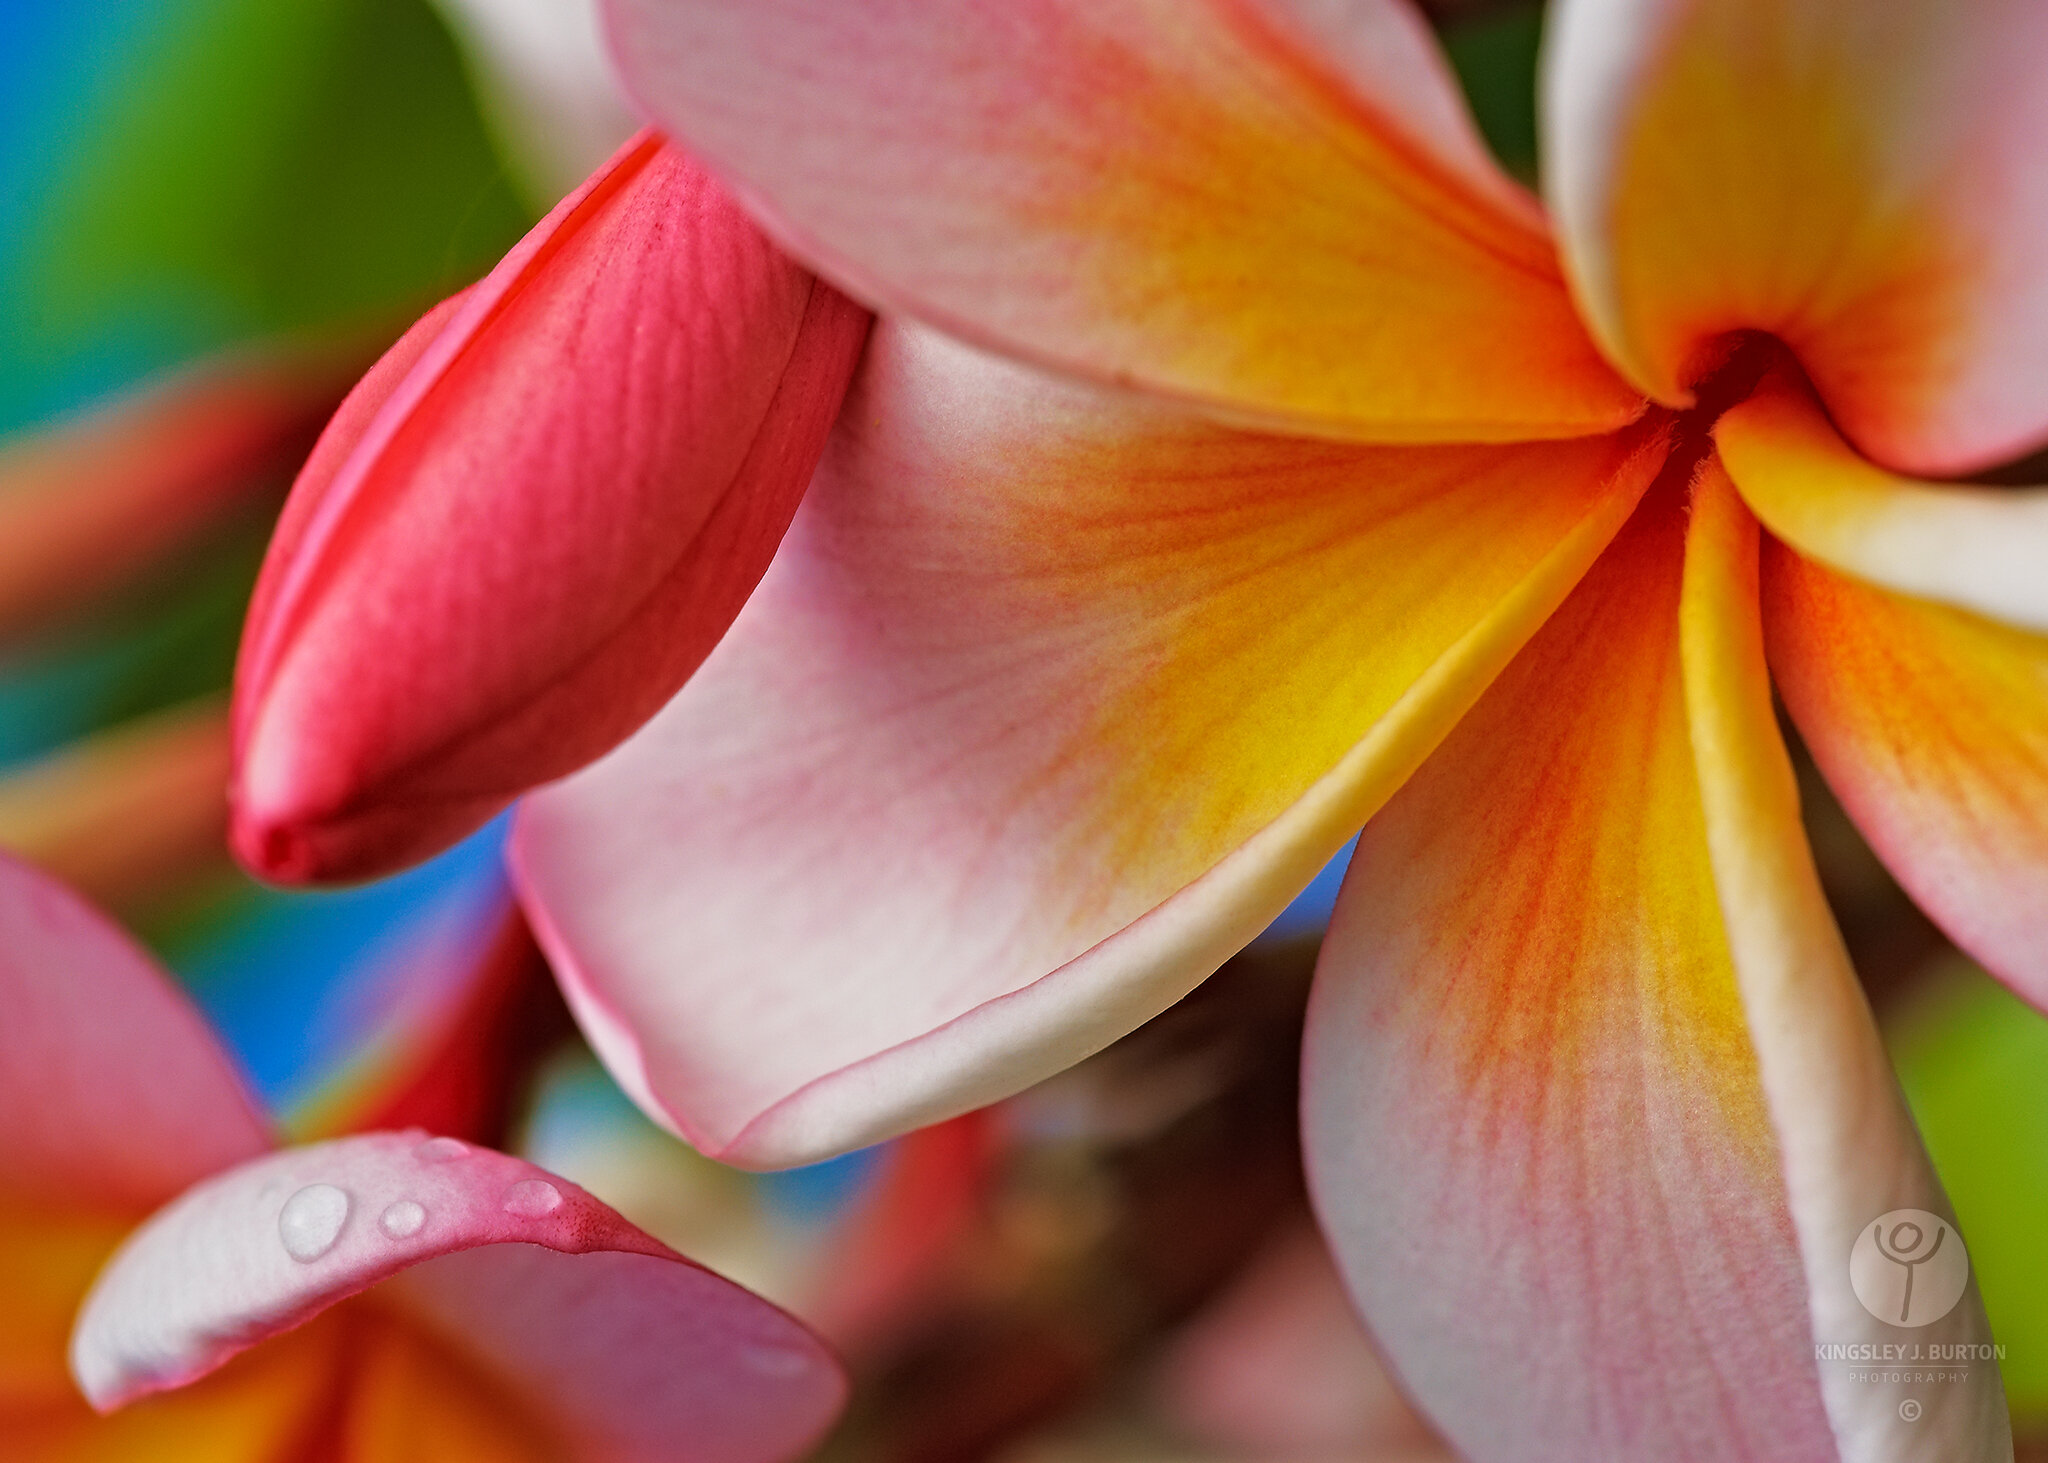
1983	549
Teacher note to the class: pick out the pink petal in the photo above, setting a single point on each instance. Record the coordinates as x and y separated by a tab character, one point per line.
1051	702
631	1349
1579	1139
1931	725
1277	207
532	522
113	1089
1863	181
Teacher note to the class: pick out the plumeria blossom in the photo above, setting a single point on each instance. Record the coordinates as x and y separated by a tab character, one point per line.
1242	460
387	1290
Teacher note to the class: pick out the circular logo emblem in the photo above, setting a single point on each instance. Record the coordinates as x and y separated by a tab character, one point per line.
1909	1267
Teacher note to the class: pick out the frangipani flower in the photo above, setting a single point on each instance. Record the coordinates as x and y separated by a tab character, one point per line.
1334	492
406	1292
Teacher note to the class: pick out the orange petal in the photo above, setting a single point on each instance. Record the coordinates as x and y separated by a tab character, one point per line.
1576	1168
1045	682
1931	725
1984	549
1271	206
1863	181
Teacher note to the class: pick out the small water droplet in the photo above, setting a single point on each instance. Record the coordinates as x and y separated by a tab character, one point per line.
531	1198
775	1361
402	1220
441	1150
311	1220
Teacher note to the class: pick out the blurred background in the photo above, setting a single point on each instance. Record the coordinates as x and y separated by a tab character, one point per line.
213	215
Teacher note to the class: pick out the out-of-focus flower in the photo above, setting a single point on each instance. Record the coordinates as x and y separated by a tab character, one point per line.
462	1301
1277	1367
1335	495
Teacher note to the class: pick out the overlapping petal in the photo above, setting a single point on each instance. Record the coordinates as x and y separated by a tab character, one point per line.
1847	1145
623	1346
1277	207
1931	725
1863	182
1980	548
1571	1121
1051	701
532	521
1531	1109
113	1091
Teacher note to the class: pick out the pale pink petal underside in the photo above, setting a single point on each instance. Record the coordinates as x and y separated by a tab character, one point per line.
631	1350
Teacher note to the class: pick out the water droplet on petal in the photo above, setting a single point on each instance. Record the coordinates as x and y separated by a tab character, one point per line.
311	1221
402	1220
776	1361
531	1198
441	1150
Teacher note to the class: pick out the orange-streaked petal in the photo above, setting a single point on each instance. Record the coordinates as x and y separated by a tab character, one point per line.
1984	549
1531	1110
1931	725
1846	1142
1271	206
1542	1134
89	503
1864	182
1052	700
114	1092
129	813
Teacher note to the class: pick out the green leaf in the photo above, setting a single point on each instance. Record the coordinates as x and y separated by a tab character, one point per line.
1973	1059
